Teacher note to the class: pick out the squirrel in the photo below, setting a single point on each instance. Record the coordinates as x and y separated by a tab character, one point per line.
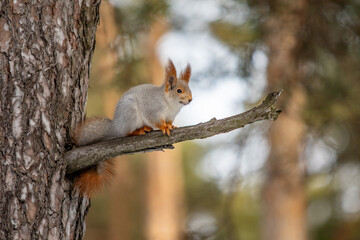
140	110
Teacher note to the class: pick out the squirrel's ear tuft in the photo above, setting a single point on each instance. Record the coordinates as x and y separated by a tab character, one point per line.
170	76
185	75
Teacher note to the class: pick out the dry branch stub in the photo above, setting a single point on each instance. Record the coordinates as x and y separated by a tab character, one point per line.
82	157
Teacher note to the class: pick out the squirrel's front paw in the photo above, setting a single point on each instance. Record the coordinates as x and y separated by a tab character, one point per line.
170	125
165	127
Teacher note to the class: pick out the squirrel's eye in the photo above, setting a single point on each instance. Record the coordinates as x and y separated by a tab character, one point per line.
179	91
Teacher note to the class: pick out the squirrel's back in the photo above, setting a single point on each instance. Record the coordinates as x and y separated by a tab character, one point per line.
138	107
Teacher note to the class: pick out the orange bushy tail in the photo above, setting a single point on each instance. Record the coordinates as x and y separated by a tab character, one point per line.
92	180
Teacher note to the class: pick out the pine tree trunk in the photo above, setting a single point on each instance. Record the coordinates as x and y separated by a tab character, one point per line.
284	198
45	53
164	193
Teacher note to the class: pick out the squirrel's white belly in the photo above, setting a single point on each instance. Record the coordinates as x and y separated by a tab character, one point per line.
171	113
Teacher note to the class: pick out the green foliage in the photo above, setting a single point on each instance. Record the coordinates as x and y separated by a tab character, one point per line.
138	16
236	212
331	58
241	38
133	21
328	54
236	36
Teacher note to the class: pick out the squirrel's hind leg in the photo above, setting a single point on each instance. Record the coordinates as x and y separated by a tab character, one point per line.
140	131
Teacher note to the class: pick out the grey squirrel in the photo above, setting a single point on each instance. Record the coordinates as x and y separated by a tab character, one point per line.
140	110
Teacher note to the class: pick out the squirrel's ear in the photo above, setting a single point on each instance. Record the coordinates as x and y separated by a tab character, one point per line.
185	75
170	76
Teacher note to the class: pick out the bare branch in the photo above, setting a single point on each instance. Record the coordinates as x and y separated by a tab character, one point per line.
82	157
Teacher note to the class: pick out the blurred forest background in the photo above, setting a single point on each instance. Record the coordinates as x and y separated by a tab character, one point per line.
295	178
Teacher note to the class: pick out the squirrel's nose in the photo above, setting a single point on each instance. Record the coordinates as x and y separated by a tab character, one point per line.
190	99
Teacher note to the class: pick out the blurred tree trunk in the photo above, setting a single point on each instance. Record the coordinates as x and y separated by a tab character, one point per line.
164	170
118	211
284	198
45	53
120	197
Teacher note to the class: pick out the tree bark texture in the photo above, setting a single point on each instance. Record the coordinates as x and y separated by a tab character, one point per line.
45	53
284	198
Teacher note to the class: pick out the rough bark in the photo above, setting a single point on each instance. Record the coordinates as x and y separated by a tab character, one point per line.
82	157
45	53
284	215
